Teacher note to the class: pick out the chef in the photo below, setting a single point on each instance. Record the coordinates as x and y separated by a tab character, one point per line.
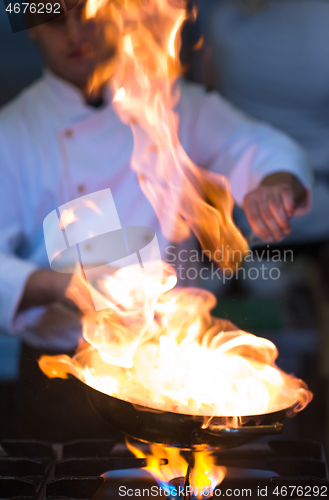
58	142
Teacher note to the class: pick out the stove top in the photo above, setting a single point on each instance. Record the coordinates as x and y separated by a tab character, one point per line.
104	469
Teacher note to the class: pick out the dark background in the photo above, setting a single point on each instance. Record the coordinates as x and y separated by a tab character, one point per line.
20	62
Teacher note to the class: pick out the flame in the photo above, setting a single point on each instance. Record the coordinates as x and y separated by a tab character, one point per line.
204	475
176	467
199	44
93	7
67	217
172	38
92	205
162	349
119	95
187	199
157	345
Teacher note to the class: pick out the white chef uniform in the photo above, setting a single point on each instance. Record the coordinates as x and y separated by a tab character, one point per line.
55	148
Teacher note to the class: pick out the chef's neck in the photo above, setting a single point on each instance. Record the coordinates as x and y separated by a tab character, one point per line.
94	97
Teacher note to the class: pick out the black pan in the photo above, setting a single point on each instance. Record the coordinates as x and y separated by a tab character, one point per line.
180	430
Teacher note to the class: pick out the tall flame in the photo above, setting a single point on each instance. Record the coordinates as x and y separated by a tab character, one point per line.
143	78
204	476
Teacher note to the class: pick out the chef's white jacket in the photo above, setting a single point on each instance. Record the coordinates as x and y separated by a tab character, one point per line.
55	148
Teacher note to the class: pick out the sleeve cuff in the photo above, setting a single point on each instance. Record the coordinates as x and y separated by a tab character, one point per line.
281	154
14	273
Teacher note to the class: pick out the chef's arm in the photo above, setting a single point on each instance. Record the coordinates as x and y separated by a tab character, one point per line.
13	274
269	173
14	271
22	284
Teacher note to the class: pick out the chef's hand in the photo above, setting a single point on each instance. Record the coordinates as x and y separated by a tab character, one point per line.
44	287
270	207
60	323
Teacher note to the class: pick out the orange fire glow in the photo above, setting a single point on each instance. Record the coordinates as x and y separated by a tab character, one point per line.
67	217
204	476
91	204
162	349
145	91
165	351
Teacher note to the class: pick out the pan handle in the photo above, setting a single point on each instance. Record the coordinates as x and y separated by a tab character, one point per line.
248	430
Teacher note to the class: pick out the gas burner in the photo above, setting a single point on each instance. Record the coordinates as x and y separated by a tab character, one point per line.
97	468
299	468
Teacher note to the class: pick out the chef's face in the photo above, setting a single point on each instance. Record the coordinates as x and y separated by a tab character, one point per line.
69	45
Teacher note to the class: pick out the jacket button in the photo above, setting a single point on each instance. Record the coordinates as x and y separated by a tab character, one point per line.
81	188
68	133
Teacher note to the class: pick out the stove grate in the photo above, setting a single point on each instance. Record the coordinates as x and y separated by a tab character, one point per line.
33	470
71	470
